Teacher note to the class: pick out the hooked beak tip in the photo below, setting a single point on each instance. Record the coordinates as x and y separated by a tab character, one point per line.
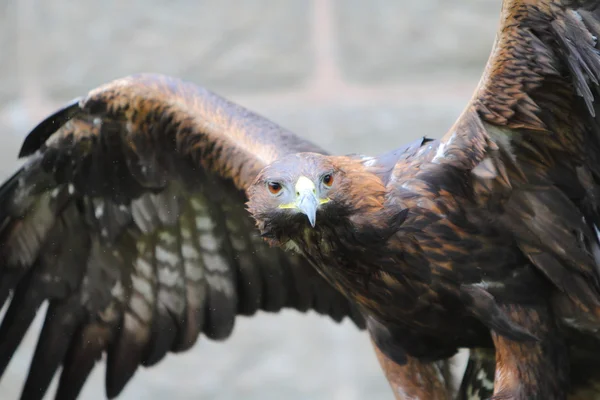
307	204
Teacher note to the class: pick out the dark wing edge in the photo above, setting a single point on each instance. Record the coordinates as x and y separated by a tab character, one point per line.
129	218
530	141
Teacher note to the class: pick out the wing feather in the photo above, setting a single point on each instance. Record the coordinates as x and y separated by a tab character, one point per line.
129	217
533	119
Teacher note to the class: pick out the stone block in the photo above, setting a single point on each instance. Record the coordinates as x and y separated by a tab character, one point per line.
229	46
385	41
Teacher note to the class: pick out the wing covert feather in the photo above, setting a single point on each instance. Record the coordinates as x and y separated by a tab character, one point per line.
530	140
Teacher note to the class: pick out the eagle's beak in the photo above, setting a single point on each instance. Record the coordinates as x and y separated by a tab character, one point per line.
306	199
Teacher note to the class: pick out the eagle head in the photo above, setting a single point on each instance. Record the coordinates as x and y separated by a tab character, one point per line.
295	193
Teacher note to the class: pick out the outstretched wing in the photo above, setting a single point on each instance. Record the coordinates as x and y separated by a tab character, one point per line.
530	140
129	217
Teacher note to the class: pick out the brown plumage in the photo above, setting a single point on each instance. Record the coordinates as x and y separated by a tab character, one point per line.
129	217
415	379
485	238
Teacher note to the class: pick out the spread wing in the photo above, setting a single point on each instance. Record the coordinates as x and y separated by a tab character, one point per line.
129	217
530	140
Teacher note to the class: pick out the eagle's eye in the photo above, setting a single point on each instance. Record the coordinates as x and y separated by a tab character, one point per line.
328	180
274	187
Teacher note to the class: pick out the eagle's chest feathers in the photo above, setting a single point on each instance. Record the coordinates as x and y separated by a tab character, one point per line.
316	247
346	267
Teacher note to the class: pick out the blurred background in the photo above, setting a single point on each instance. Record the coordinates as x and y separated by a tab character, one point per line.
351	75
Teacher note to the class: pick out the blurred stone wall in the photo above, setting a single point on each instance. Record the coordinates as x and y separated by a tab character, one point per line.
352	75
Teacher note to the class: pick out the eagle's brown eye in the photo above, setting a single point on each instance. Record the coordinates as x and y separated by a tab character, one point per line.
274	187
328	180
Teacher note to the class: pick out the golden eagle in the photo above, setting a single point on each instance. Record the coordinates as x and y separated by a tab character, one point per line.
128	215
